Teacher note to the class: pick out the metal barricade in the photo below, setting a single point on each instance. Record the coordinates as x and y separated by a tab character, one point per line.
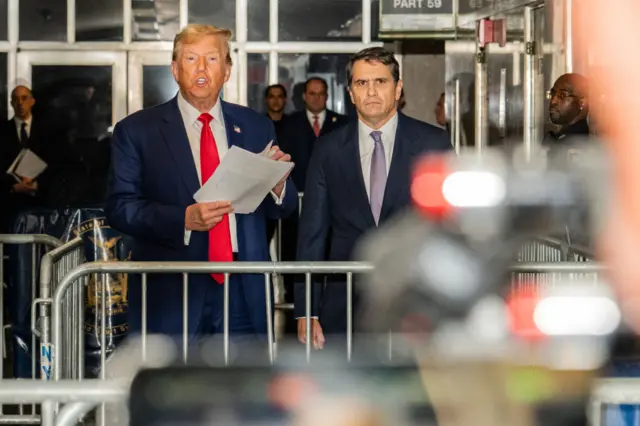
79	398
54	266
60	352
38	243
547	249
62	349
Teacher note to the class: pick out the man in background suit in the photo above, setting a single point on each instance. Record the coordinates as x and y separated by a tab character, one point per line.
304	127
160	158
24	131
358	178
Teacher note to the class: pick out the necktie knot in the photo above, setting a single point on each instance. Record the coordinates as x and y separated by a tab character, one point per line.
205	118
376	135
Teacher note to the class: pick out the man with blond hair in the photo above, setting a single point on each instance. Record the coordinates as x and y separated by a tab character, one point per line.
160	157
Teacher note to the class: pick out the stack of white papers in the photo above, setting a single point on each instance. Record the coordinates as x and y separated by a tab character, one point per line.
27	165
244	178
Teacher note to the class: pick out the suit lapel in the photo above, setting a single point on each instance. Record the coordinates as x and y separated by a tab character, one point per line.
354	181
234	131
175	137
328	123
400	163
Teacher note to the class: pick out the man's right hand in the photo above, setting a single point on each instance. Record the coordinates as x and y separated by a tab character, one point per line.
316	332
204	216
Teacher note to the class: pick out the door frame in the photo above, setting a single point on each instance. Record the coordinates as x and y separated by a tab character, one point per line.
140	58
117	60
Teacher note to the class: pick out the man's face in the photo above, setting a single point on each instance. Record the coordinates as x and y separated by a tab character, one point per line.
22	102
315	96
373	91
201	68
564	104
276	99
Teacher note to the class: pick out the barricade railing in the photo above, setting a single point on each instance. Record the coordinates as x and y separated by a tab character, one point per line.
54	266
38	243
59	352
60	349
79	397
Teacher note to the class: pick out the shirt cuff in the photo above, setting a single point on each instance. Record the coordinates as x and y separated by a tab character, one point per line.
277	199
306	318
187	237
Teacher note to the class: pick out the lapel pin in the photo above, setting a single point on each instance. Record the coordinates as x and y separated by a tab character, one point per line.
237	129
334	119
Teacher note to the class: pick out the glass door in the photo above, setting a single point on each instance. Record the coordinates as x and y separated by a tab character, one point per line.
84	90
151	81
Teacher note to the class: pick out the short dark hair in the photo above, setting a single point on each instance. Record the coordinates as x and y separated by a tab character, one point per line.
375	54
320	79
274	86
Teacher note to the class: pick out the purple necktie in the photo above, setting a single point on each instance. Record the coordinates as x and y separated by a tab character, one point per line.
378	177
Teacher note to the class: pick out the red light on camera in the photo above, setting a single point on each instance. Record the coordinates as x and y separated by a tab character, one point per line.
426	187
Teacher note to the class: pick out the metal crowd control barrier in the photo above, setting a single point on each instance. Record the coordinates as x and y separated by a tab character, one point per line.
35	240
54	266
60	353
79	397
61	349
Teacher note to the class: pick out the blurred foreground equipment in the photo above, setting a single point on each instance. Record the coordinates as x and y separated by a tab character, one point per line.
495	349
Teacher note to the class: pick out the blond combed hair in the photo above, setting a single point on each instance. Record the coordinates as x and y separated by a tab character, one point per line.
195	31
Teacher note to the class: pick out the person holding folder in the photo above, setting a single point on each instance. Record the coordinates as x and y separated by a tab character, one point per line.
161	157
20	133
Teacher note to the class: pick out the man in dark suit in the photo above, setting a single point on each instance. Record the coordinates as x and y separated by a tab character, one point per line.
24	131
358	178
160	157
304	127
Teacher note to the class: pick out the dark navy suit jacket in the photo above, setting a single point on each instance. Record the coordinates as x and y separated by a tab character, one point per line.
152	182
298	140
336	205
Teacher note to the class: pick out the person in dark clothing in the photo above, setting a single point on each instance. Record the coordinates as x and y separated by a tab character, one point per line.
24	131
275	97
568	110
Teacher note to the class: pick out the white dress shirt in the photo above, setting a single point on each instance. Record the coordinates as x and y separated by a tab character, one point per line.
321	116
366	145
193	127
19	122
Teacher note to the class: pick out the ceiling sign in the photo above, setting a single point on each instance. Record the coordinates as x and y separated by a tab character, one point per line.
437	17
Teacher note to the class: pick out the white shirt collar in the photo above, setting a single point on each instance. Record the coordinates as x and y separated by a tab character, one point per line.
190	114
321	116
19	121
388	130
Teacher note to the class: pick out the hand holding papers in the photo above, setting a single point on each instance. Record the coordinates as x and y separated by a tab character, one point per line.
244	178
27	165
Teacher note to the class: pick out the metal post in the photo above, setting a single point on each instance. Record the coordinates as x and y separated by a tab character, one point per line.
307	309
457	118
568	35
481	100
530	75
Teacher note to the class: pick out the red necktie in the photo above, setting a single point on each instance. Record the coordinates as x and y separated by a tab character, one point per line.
219	236
316	126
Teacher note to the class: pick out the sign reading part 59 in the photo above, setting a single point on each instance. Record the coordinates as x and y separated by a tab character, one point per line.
417	7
